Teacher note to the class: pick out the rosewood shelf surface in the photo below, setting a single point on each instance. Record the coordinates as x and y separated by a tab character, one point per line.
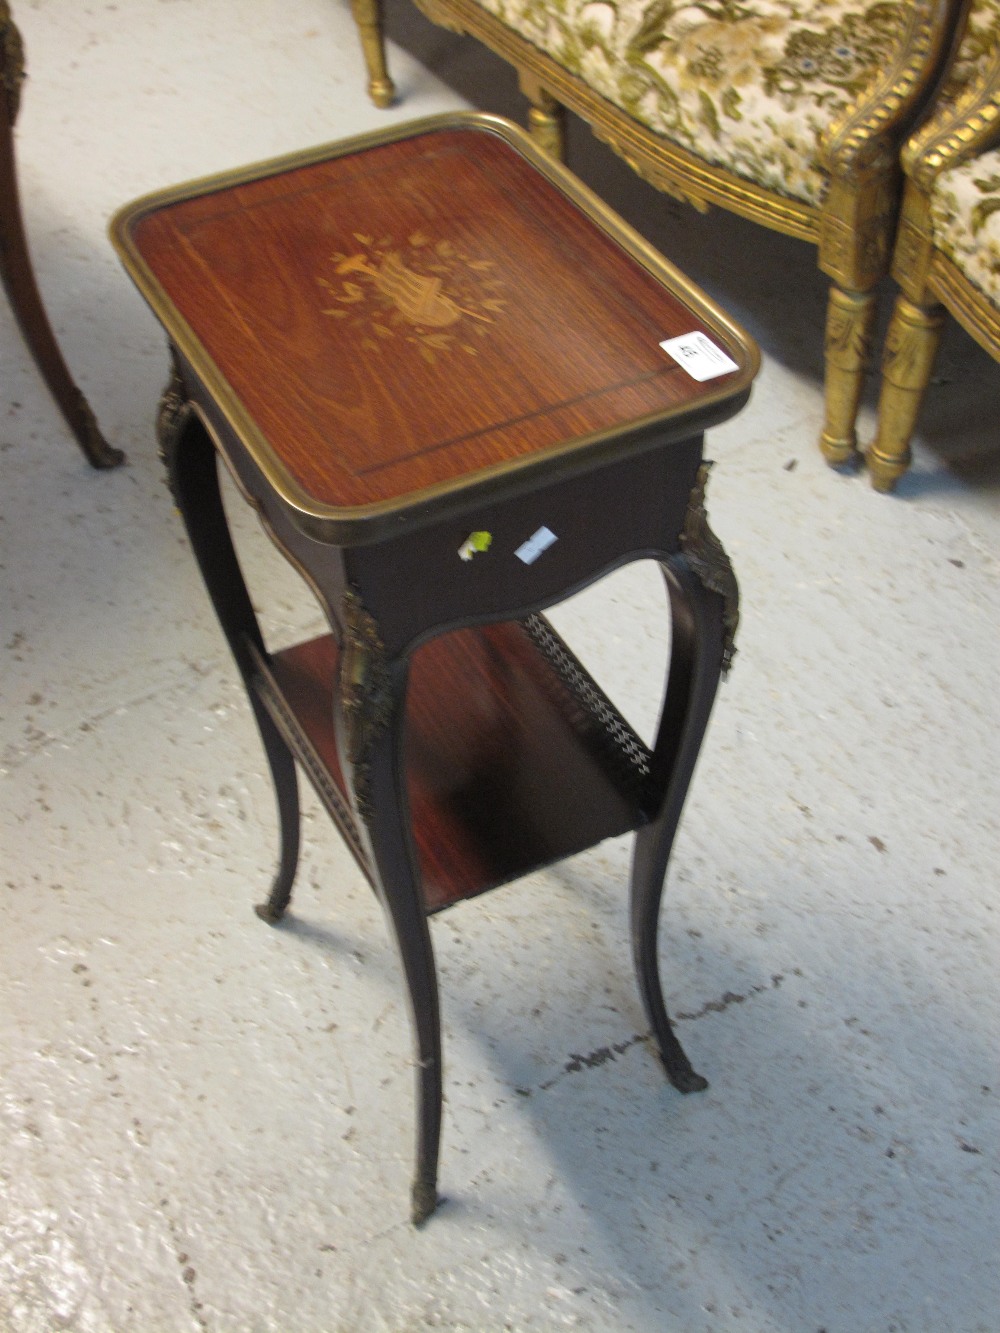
437	306
507	767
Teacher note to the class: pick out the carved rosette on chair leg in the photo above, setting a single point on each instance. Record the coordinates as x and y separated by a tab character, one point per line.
368	17
910	348
368	718
850	318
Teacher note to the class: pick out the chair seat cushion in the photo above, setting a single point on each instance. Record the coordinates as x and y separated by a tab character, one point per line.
965	218
748	86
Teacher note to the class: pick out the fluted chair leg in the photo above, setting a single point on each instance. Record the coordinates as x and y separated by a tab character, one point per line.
368	17
849	322
911	345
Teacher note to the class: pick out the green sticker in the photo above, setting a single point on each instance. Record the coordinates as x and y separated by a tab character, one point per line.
476	541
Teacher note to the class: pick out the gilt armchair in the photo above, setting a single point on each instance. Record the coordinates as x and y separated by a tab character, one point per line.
947	256
788	112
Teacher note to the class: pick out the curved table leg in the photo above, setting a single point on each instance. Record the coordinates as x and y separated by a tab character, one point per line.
369	713
704	600
192	470
19	279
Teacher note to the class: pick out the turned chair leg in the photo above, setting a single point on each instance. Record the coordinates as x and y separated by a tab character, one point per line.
910	348
850	317
368	17
546	118
18	277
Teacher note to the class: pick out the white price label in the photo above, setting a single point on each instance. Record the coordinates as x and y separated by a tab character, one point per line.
538	542
699	356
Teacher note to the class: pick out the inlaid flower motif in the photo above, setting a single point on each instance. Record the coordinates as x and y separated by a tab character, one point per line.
427	293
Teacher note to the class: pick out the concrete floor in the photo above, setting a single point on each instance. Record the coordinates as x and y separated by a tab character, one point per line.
206	1124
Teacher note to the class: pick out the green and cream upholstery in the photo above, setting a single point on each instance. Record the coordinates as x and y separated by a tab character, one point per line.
751	87
965	221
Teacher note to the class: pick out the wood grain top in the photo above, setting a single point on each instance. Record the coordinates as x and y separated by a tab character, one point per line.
398	319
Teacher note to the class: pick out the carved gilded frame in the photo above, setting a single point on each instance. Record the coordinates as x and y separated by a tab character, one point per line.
931	282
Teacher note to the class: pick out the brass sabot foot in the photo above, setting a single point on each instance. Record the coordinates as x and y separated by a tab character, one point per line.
424	1200
96	449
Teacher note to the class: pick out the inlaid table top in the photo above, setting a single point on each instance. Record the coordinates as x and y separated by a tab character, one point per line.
388	320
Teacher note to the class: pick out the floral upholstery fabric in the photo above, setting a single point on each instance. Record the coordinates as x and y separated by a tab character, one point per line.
976	50
965	216
750	85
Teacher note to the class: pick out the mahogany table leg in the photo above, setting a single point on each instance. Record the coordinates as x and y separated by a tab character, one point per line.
189	455
369	710
19	279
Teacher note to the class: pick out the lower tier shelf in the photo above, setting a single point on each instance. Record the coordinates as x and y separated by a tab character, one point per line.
514	757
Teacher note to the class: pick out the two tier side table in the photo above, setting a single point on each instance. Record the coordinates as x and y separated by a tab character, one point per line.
456	388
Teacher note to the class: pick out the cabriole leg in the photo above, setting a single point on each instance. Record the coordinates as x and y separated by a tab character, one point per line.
704	604
850	319
18	276
693	676
368	714
192	471
911	344
368	17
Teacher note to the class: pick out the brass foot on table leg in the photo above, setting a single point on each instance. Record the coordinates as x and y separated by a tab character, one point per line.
424	1199
678	1067
96	449
686	1080
268	913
